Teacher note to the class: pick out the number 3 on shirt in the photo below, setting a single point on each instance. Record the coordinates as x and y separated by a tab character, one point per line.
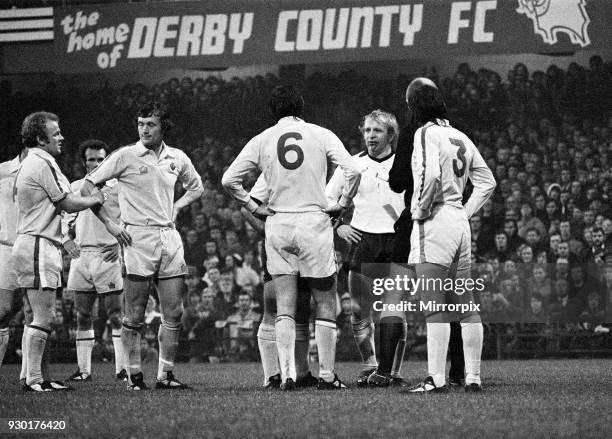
282	150
459	172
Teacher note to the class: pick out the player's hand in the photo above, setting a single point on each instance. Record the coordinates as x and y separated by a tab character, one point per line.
110	253
73	250
263	210
119	233
349	234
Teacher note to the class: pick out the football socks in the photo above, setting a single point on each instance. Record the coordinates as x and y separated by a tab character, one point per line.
438	335
36	341
84	346
4	338
472	334
363	332
168	337
285	344
326	336
118	347
266	341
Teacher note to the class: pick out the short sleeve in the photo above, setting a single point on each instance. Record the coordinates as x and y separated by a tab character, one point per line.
188	176
112	167
49	179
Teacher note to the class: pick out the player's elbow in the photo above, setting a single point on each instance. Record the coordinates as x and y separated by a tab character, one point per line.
491	185
86	188
227	181
197	193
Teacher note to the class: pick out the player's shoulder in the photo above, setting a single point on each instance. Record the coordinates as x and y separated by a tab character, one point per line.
361	156
177	152
319	129
129	150
5	168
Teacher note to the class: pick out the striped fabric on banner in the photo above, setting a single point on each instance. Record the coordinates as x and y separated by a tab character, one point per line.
30	24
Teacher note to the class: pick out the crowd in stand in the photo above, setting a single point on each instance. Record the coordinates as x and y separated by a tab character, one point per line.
542	244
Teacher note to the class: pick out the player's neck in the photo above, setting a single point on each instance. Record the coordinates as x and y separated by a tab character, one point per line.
383	154
156	149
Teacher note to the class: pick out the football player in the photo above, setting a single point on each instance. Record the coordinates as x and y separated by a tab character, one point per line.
95	267
371	237
293	156
266	334
443	160
146	173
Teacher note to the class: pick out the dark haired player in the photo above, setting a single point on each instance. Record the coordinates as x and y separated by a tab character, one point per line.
443	160
266	334
95	266
293	157
146	173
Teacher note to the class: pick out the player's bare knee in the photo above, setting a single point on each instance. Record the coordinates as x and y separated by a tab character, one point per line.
132	324
135	313
114	319
174	316
171	325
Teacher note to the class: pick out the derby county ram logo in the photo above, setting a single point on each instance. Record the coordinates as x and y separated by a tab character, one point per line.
551	17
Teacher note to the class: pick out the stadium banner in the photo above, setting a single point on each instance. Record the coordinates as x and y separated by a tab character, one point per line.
217	33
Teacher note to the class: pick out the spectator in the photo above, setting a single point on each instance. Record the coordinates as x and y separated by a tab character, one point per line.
205	334
245	272
564	308
529	221
194	251
243	328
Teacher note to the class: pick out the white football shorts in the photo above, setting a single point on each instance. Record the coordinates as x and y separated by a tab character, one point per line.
300	243
89	272
8	274
38	262
444	238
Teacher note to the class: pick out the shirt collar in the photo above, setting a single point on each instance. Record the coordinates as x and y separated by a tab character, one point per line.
289	119
141	150
41	153
383	158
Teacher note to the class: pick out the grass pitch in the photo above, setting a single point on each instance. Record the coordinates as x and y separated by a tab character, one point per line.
534	399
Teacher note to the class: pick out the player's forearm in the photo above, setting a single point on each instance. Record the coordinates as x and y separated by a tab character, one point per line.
352	179
257	224
334	188
484	185
102	211
232	182
188	197
75	203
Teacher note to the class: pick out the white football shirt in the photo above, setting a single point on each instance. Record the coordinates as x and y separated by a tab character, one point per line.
293	157
442	161
377	207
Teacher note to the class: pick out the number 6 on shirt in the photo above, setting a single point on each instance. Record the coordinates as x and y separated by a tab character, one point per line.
283	149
